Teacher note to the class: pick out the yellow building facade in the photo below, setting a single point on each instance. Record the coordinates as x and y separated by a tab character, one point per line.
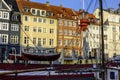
38	28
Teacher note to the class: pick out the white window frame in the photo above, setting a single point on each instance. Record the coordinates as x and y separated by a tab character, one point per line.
14	39
5	40
5	15
14	27
0	14
4	27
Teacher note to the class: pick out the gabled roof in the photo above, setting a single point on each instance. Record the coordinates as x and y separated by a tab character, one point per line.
6	5
13	3
59	11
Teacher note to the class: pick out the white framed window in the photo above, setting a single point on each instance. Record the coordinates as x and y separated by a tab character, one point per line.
34	40
65	23
60	32
5	15
59	42
44	20
39	41
26	18
38	12
14	27
44	41
26	28
26	40
14	39
34	19
65	42
34	29
4	26
33	11
51	21
43	12
0	14
51	41
4	38
60	22
39	19
51	30
44	30
39	29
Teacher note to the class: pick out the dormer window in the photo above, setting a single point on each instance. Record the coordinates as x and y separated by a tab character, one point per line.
43	12
26	9
38	12
33	11
49	14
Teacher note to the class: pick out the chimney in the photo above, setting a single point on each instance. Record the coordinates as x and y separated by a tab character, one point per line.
61	5
47	3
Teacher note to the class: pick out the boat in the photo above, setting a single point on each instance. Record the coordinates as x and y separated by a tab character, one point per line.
37	55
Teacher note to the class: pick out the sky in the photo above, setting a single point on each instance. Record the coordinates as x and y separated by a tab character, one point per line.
78	4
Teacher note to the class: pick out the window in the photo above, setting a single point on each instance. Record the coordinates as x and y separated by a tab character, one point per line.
14	17
60	42
0	14
26	9
4	38
39	41
39	29
4	26
51	41
65	32
60	22
65	42
34	29
105	37
5	15
26	40
44	41
35	19
13	39
38	12
14	27
33	11
43	12
39	19
26	18
112	75
44	20
44	30
106	46
26	28
65	23
51	30
51	21
69	23
60	32
34	40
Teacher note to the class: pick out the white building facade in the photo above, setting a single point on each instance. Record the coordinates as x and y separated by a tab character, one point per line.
111	20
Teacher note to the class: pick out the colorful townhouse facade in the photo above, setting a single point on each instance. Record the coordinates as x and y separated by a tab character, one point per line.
9	30
39	25
111	19
49	26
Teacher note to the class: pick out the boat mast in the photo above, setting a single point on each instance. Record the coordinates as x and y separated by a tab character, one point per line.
102	34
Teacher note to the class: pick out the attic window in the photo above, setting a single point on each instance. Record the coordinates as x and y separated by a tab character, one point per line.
49	14
43	12
33	11
26	9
